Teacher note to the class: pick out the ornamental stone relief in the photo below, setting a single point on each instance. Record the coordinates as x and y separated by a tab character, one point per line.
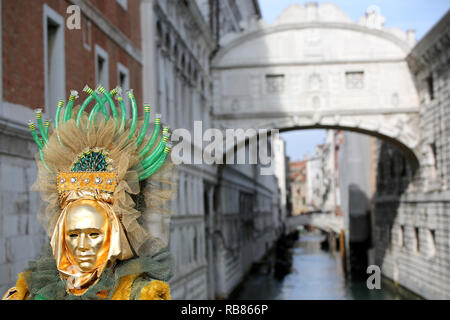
315	82
354	80
274	83
312	37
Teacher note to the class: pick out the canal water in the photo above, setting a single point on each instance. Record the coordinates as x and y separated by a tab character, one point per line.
316	274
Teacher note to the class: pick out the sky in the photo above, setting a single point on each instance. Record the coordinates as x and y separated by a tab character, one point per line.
419	15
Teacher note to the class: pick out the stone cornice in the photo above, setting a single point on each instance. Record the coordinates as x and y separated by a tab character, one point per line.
434	43
15	129
106	26
302	63
323	113
307	25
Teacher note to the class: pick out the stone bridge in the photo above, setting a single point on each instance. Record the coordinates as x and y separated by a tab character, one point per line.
323	221
316	68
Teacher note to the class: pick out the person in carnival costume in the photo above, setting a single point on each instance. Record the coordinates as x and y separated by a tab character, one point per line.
106	188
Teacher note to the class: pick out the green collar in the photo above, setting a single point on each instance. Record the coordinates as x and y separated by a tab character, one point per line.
44	282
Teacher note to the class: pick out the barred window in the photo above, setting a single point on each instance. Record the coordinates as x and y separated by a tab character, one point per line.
274	83
430	86
417	239
354	80
401	236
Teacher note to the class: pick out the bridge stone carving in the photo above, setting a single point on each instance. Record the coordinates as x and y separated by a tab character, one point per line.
316	68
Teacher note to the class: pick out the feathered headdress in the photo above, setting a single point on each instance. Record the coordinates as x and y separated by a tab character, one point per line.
108	158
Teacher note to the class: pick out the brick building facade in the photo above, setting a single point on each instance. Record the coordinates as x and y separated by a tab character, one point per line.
42	60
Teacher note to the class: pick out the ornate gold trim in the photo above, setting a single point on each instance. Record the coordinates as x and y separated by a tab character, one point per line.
101	181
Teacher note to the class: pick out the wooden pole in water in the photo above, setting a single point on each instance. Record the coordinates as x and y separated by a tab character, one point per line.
342	249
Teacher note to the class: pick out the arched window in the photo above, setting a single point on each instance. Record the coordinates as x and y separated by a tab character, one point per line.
183	62
195	76
175	52
167	41
158	32
189	69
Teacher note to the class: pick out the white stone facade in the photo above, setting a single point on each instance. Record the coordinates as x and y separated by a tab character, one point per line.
208	236
314	177
412	227
321	177
280	171
314	67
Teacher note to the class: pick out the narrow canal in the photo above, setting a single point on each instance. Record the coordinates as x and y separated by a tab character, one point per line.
316	274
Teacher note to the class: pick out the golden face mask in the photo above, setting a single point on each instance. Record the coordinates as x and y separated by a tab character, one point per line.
88	235
86	229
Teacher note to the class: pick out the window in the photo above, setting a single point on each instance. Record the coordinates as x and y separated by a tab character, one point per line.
389	236
416	237
354	80
434	153
123	81
182	63
167	42
87	34
54	59
430	86
195	245
401	236
101	67
431	243
274	83
159	33
123	4
175	53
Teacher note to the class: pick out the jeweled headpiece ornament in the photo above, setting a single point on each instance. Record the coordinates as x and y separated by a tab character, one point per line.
105	157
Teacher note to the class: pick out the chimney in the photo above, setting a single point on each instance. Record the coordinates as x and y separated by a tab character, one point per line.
411	37
311	11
